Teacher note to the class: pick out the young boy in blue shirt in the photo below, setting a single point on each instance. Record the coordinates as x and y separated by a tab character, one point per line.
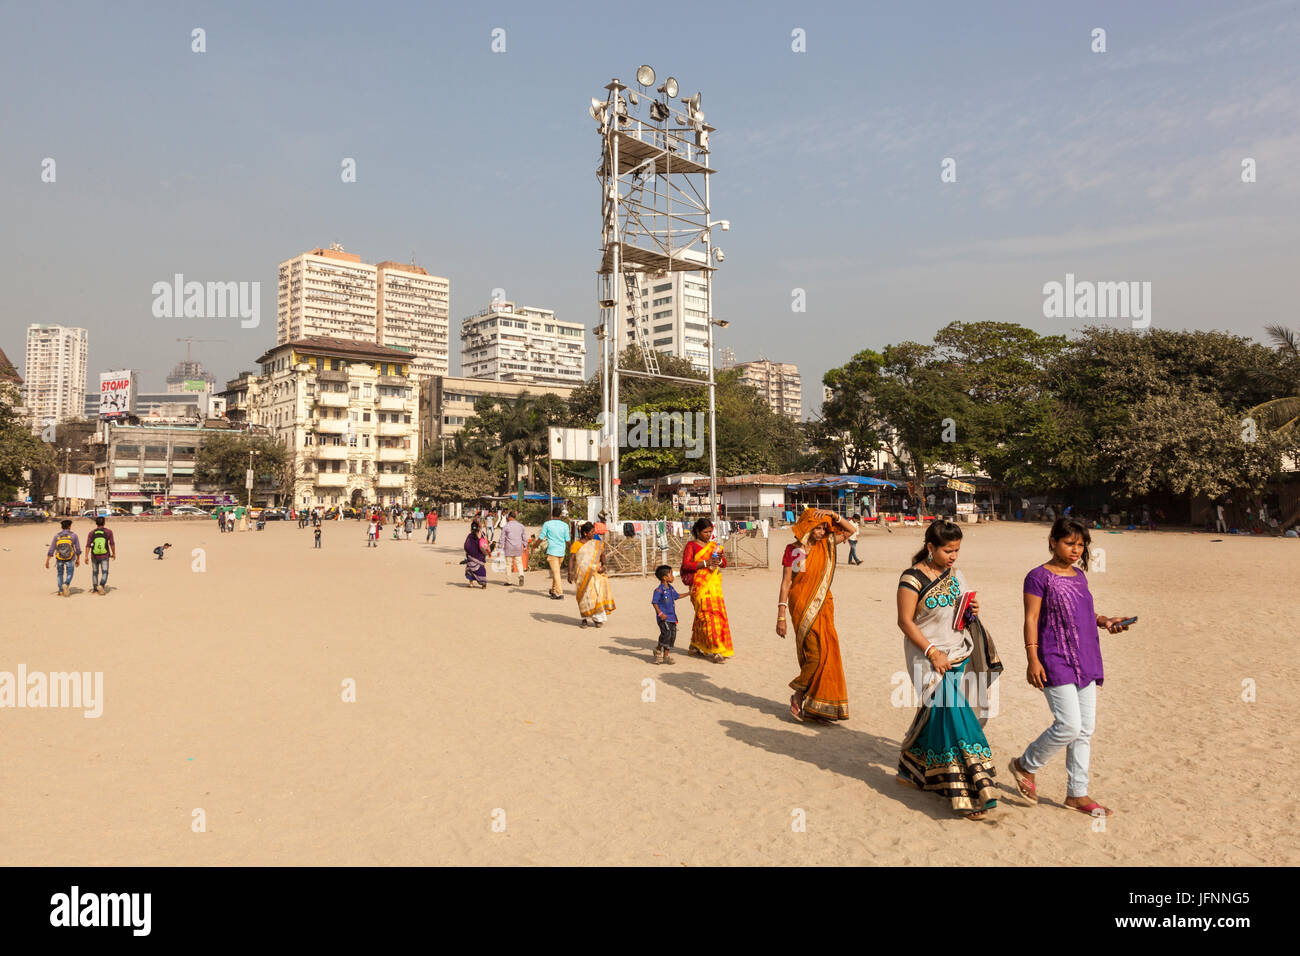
664	602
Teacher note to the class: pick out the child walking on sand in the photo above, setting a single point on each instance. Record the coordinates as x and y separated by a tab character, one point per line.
1064	656
664	601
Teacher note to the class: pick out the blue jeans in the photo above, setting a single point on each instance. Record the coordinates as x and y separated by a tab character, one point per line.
1074	710
432	534
98	572
65	569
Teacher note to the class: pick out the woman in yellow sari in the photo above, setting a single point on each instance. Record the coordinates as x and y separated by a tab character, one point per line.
808	567
702	563
587	571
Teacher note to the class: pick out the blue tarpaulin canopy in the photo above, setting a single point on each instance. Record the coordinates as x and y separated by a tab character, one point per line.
844	481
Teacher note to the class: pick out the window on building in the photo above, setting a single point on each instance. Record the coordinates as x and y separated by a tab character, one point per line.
407	419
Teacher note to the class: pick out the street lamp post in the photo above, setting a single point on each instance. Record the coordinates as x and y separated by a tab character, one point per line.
248	478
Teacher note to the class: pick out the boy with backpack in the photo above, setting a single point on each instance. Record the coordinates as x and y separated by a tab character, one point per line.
102	548
65	548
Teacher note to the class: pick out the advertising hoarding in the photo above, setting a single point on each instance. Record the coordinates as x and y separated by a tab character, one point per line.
117	391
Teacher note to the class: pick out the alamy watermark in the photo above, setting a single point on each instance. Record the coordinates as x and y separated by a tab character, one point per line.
84	689
1098	300
208	300
662	430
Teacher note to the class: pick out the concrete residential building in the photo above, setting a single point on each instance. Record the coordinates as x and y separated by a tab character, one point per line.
55	375
346	411
326	292
140	466
525	345
190	377
778	383
329	292
446	402
412	311
674	317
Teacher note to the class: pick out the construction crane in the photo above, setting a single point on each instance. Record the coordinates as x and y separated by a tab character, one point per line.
189	338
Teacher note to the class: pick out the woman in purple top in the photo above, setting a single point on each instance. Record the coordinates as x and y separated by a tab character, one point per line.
1064	662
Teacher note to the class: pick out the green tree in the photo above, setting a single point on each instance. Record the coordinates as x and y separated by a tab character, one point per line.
20	450
1281	414
453	483
223	459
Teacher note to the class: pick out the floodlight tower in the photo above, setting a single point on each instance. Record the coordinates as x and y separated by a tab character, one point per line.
655	220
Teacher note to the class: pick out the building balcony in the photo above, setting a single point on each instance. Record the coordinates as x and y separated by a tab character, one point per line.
394	454
388	403
330	452
332	375
395	429
330	426
390	480
330	479
332	399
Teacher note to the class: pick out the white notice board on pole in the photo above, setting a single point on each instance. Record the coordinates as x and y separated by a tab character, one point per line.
574	444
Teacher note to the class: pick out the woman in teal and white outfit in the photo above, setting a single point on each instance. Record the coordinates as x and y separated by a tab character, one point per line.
945	750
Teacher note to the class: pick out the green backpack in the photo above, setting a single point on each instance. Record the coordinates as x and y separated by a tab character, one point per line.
99	542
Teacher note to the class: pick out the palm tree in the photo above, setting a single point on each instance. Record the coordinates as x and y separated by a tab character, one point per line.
1281	415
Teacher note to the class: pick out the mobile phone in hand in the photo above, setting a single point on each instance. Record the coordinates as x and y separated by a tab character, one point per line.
1126	622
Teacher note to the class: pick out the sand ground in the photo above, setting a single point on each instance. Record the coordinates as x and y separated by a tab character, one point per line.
223	691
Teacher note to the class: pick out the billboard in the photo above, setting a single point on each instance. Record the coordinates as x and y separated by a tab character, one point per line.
194	385
574	444
117	392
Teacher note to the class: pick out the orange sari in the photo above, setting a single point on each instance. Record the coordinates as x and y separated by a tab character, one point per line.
821	672
710	631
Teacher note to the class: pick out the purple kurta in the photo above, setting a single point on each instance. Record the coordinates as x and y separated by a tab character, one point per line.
1067	658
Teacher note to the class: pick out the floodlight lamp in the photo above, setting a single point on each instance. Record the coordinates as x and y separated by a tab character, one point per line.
669	88
693	103
645	75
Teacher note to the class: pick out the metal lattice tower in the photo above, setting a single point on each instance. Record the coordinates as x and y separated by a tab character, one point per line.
654	175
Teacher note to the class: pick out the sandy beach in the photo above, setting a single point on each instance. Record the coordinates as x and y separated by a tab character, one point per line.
222	691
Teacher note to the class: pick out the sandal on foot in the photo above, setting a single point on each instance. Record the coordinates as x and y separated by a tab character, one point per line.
717	658
796	709
1091	809
1028	789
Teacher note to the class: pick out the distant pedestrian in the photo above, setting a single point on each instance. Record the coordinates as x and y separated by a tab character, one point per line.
431	526
316	535
160	549
409	525
1220	525
65	548
102	549
556	535
853	541
476	555
372	532
513	538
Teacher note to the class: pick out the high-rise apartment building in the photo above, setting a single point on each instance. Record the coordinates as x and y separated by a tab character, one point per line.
329	292
412	311
524	344
190	376
673	312
346	412
54	381
779	383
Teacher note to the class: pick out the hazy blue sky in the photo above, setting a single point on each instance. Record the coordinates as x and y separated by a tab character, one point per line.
1123	165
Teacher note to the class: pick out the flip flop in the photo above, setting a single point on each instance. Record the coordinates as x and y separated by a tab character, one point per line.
795	710
1088	808
1028	789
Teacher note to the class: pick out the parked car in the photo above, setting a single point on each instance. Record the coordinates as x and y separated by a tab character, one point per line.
27	514
156	512
275	514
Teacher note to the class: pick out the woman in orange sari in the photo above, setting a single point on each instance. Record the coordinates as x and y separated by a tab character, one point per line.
702	563
587	571
808	567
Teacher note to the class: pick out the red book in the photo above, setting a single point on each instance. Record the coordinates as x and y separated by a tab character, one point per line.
963	608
